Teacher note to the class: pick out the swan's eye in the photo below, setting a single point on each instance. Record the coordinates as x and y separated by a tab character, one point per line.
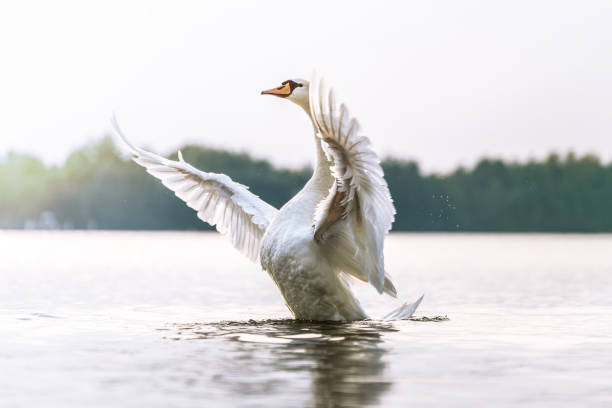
292	84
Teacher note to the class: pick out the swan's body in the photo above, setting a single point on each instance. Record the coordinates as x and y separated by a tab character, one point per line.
330	232
299	265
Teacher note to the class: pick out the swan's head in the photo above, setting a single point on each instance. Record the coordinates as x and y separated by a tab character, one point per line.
295	90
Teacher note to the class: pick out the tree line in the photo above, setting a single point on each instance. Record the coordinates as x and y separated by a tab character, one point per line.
97	188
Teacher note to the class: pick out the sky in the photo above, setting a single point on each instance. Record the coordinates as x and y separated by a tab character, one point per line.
443	82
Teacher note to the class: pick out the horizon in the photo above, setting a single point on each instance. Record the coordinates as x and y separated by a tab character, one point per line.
99	188
441	84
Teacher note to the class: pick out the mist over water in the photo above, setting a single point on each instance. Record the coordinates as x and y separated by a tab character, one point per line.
180	319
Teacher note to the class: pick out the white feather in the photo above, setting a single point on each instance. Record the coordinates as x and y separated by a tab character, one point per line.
368	207
218	200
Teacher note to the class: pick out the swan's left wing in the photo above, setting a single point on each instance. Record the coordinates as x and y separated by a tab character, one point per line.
358	211
218	200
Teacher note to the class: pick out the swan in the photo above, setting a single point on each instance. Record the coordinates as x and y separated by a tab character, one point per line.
330	233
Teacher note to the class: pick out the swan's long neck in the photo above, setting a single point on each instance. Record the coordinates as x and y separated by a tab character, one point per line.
321	170
321	178
299	211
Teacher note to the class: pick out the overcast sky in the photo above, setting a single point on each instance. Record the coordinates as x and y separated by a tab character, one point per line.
440	82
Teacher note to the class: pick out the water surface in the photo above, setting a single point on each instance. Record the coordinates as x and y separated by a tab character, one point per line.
132	319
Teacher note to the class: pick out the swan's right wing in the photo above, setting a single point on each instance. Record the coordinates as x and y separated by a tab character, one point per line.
219	201
358	211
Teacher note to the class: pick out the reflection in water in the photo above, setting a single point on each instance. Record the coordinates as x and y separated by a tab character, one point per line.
528	326
343	360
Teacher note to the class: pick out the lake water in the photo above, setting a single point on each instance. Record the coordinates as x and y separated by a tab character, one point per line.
164	319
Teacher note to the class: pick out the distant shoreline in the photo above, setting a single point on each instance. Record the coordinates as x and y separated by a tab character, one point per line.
98	189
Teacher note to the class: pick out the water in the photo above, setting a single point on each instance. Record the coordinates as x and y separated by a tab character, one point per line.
128	319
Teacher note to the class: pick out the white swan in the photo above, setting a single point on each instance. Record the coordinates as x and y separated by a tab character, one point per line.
332	231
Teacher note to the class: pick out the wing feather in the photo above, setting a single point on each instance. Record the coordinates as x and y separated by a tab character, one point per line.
218	200
358	211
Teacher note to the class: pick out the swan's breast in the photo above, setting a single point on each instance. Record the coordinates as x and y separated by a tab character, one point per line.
288	248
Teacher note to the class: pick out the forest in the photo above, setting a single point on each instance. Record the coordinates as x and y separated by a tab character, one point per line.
97	188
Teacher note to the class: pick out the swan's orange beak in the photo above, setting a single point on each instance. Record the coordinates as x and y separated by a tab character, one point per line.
282	91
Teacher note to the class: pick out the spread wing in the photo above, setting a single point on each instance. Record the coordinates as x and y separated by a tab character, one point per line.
218	200
358	211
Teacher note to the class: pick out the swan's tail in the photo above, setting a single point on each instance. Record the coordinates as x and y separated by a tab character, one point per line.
405	311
